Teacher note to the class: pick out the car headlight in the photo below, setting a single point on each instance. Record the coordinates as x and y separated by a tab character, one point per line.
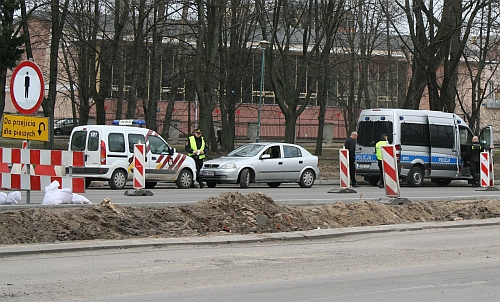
228	166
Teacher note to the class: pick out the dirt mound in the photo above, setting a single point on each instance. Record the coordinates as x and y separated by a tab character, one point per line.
229	212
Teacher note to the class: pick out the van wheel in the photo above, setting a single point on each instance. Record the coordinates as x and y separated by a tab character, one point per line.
118	179
185	179
244	178
416	177
441	182
150	185
211	184
307	179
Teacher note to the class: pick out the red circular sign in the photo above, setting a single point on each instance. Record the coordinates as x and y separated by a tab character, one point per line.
27	88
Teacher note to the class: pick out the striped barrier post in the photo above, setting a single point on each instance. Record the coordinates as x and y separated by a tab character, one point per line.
139	158
344	168
390	168
485	169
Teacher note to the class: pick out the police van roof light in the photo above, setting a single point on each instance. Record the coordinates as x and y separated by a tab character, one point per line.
382	118
401	118
367	118
133	123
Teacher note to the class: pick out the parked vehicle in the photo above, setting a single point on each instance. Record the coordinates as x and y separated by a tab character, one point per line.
64	126
109	152
271	163
429	144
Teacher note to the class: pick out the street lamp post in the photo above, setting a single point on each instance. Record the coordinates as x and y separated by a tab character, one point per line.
263	46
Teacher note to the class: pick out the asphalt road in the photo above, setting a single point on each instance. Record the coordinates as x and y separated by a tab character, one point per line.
168	194
450	264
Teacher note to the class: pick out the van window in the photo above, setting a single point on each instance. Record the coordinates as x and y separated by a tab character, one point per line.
93	144
157	145
135	139
116	142
465	136
369	132
78	141
415	134
442	136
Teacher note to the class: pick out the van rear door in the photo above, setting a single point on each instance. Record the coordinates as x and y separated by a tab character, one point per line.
486	137
444	147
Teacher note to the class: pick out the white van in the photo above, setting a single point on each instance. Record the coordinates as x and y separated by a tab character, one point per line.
429	144
109	151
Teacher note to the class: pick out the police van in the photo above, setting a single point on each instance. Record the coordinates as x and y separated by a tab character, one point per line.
109	151
429	144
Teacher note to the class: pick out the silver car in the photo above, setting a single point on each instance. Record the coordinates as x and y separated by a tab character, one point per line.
271	163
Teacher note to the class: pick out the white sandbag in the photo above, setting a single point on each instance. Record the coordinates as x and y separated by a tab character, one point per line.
3	198
53	195
80	199
14	197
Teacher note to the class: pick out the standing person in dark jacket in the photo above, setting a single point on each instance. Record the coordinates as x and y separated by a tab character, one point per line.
378	152
474	153
195	146
350	144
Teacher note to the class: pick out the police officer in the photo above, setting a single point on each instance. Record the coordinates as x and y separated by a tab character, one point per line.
474	158
195	146
378	151
350	144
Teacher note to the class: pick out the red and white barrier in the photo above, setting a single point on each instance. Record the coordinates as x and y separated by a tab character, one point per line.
139	159
390	167
344	168
42	157
49	165
38	183
486	172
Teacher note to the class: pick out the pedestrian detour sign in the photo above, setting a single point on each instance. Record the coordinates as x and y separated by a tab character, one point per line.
25	127
27	90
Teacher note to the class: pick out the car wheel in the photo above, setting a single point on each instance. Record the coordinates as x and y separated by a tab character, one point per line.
441	182
150	185
118	179
58	132
244	178
416	177
211	184
274	184
185	179
88	181
306	179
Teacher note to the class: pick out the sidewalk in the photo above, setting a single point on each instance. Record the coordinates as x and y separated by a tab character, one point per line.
13	250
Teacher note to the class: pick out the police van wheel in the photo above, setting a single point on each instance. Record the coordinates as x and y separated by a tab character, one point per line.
185	179
118	179
211	184
274	184
416	177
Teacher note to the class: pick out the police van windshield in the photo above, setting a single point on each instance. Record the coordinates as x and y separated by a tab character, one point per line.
370	132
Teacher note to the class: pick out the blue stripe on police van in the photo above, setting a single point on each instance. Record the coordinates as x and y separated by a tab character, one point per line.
409	158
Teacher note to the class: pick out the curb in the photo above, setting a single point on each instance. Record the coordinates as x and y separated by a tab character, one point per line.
14	250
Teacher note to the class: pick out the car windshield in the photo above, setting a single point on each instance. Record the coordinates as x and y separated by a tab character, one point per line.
248	150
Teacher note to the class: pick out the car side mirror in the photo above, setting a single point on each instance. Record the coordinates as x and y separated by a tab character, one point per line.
264	156
172	151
